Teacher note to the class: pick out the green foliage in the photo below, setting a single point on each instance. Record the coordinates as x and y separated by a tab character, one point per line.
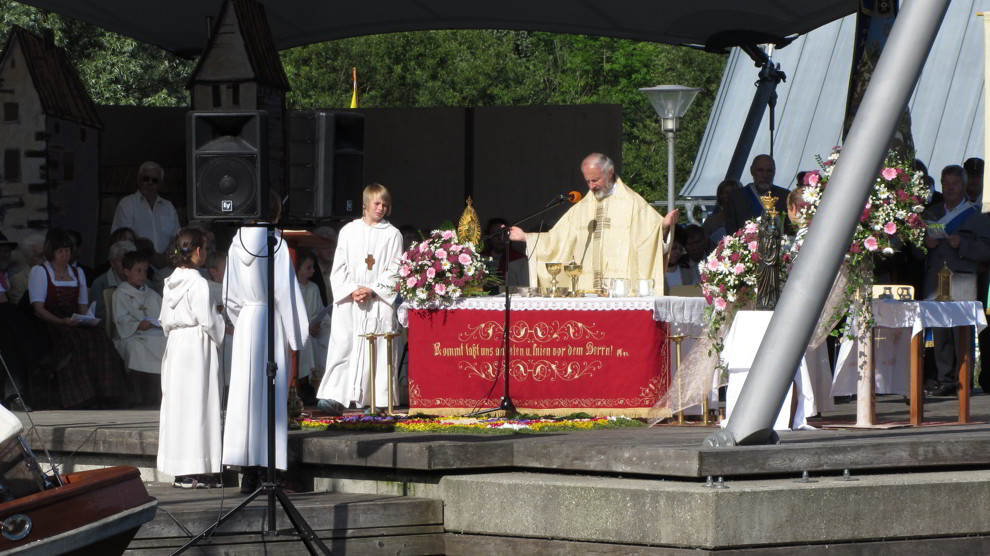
429	68
500	68
116	70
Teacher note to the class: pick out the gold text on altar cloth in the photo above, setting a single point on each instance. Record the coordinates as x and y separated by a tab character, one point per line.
532	350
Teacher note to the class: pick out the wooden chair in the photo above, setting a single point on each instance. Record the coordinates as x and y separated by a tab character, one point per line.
108	314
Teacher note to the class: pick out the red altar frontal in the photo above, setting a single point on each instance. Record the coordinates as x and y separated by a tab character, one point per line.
563	360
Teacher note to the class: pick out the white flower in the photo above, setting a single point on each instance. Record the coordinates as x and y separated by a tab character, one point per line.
445	264
454	292
421	293
888	251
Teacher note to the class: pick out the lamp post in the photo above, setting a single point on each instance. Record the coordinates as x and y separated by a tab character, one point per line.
671	103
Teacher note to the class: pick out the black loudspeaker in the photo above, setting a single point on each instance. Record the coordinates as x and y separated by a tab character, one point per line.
326	164
227	165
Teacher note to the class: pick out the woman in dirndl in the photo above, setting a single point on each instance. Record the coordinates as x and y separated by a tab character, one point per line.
94	375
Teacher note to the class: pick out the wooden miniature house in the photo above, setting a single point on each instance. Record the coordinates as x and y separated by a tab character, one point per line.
50	140
241	70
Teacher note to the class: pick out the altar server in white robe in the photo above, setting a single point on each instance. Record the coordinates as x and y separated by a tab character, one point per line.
216	266
246	283
189	440
136	307
363	287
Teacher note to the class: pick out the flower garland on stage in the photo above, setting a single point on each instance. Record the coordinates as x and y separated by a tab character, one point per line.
523	424
438	270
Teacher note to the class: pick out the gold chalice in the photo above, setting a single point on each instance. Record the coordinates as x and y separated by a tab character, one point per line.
554	269
573	270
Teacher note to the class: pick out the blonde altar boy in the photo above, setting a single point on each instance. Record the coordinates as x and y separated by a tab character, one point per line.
189	441
362	282
139	337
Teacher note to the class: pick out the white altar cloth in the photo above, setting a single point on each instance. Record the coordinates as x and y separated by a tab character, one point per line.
896	323
686	310
741	345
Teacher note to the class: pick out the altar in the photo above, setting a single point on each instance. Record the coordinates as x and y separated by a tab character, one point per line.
603	356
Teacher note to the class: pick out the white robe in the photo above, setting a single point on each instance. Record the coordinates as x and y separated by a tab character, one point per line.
307	355
245	440
216	297
347	378
142	350
189	440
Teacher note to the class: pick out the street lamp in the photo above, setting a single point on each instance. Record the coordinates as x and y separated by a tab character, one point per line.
671	103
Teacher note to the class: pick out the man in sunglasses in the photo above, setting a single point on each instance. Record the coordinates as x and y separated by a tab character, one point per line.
146	213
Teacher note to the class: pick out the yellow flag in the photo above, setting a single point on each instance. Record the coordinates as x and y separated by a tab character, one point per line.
354	99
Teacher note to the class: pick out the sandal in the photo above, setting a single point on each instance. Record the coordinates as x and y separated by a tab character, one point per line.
186	482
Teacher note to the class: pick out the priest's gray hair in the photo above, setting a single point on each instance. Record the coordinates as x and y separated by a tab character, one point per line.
603	162
151	165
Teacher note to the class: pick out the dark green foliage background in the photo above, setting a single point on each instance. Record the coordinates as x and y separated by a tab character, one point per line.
430	68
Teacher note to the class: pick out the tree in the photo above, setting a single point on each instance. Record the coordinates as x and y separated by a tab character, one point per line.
498	68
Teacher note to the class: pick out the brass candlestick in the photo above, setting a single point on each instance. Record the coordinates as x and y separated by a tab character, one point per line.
372	364
677	350
391	360
554	269
573	270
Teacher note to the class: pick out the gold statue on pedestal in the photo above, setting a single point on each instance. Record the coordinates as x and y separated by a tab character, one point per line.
469	227
943	292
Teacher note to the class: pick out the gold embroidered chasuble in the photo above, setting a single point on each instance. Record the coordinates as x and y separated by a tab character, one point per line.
620	236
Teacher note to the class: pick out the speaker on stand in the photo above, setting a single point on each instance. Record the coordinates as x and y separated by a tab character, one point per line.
227	165
326	164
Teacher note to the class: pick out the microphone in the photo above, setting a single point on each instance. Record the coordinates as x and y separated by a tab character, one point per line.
571	197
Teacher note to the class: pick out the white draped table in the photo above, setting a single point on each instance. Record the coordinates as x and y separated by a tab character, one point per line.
741	344
897	351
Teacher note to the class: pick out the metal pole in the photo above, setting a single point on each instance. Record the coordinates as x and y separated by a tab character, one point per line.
670	171
828	238
770	76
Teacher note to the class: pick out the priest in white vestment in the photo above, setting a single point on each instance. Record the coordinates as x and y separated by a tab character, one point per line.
246	284
362	280
613	233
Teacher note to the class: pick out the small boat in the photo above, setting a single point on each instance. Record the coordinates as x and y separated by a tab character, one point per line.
90	512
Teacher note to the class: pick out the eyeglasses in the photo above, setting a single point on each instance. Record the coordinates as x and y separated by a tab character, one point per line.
149	179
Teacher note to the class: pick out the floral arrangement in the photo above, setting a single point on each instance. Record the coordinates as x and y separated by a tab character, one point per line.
728	276
891	219
523	424
439	270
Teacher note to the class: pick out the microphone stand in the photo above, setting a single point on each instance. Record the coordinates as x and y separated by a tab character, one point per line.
506	404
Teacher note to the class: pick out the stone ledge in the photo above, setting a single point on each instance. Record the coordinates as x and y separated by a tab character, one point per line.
748	513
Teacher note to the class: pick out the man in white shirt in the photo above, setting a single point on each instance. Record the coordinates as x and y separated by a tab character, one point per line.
148	214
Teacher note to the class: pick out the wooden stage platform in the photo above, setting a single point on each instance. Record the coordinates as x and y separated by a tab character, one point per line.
561	486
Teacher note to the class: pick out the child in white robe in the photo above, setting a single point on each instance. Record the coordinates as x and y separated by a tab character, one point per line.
139	337
189	440
216	265
245	441
363	278
305	268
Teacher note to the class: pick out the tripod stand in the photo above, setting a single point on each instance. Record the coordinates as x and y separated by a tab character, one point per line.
506	404
269	487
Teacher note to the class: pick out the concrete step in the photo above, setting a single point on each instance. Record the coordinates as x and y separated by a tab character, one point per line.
748	513
347	523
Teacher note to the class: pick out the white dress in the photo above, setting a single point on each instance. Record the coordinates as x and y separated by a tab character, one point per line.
216	296
347	378
314	305
245	441
189	438
142	350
